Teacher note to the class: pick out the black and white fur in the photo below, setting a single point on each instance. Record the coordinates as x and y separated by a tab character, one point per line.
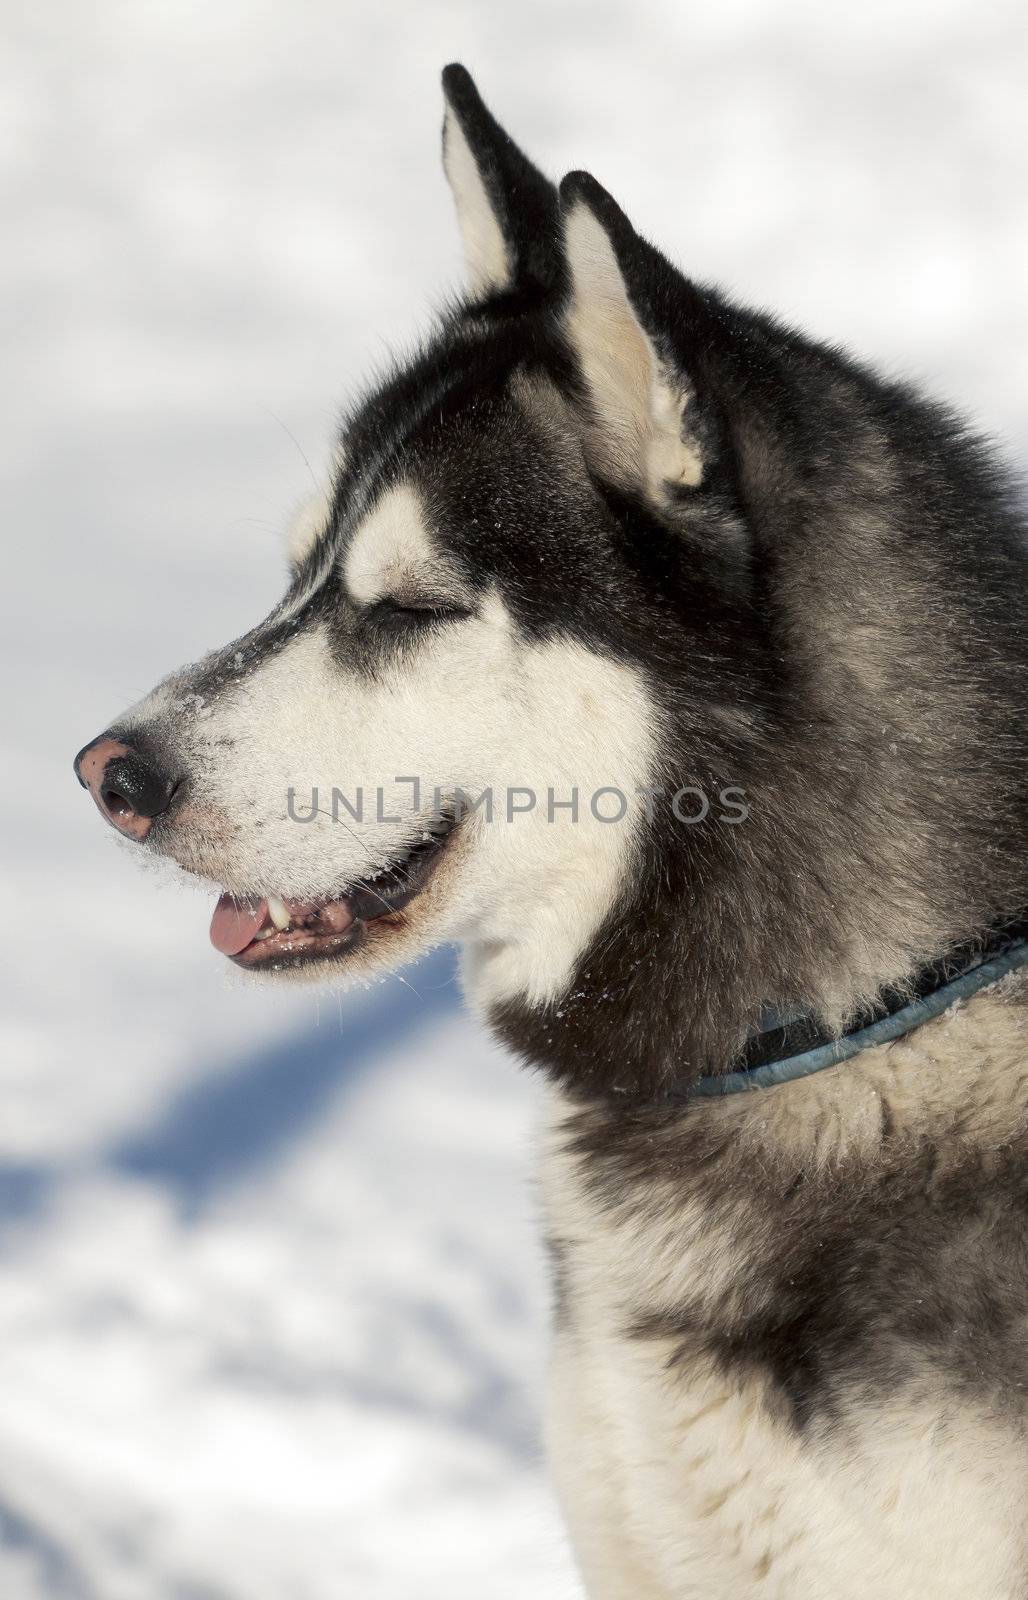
609	529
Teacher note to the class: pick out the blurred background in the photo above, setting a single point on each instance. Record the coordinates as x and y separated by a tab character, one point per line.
272	1310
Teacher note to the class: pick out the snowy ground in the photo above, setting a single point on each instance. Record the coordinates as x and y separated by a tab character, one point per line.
271	1310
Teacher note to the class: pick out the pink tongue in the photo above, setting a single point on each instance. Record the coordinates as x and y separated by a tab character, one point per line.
234	923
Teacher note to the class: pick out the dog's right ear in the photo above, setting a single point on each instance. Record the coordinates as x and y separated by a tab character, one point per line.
507	211
642	428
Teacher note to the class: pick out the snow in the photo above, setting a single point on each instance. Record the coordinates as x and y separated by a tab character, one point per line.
285	1339
272	1307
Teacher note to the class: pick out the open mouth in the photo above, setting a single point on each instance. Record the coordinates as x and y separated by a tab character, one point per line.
278	932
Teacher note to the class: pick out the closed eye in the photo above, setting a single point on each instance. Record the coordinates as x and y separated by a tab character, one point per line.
411	614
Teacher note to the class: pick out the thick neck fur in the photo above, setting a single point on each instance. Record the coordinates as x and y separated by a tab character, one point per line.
717	1228
865	688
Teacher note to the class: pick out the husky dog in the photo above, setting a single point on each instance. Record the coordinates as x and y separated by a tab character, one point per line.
606	541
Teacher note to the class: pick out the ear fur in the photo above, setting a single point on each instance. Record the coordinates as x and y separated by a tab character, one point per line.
507	211
642	433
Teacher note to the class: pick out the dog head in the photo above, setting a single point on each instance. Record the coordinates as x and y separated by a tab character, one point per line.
605	542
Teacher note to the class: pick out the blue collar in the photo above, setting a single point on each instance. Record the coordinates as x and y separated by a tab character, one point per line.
1004	953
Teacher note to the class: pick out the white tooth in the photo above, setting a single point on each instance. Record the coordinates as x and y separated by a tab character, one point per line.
278	913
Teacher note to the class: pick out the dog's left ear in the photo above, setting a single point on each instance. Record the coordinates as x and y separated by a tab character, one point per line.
508	213
642	431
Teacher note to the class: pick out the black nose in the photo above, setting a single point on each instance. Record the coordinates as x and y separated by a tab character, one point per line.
129	787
